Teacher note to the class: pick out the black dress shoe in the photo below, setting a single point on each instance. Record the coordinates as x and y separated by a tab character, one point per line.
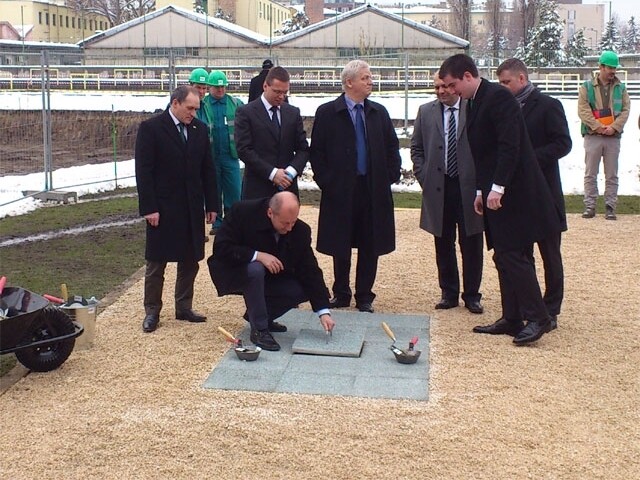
532	332
336	302
190	316
277	327
150	323
474	307
365	307
501	327
264	340
553	324
446	304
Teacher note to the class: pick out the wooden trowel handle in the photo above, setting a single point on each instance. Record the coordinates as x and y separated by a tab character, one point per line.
388	331
230	337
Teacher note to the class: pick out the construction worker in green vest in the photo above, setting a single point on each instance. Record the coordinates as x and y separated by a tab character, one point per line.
603	108
198	79
220	110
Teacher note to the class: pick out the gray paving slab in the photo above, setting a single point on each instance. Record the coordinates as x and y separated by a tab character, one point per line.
341	343
375	373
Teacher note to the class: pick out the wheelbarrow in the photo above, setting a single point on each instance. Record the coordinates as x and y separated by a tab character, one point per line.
41	335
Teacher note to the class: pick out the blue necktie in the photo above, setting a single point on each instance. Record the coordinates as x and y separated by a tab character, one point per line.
361	141
274	118
452	160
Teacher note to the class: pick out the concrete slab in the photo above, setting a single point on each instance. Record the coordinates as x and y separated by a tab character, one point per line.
375	373
342	343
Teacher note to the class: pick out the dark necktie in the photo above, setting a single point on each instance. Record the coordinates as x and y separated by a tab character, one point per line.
452	161
181	129
361	142
274	118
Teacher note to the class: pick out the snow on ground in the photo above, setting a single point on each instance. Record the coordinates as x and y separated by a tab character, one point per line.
571	166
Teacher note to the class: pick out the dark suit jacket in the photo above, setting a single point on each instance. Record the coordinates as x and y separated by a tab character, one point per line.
550	138
428	157
256	85
261	149
179	181
247	228
503	155
334	158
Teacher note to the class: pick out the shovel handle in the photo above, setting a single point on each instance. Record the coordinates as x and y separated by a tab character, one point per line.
388	331
53	299
64	292
413	341
229	336
3	282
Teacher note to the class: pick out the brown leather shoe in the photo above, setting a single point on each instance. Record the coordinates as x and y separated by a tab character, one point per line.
501	326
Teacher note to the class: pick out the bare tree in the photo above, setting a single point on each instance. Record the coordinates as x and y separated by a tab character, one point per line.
461	10
117	11
496	26
526	16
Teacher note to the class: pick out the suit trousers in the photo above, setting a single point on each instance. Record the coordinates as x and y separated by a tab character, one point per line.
361	237
154	283
519	288
553	273
607	148
268	296
471	248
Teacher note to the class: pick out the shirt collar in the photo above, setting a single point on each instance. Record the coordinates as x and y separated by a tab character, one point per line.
174	118
266	104
351	104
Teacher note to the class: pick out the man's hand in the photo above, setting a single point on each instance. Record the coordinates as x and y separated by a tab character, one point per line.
609	130
271	263
153	218
211	217
477	205
494	200
282	179
327	322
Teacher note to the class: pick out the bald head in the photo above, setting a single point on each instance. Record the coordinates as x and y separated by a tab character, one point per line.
283	211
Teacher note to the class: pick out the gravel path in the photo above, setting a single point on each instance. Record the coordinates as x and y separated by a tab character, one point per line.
565	408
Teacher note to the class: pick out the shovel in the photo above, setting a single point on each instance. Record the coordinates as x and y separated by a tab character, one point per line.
230	338
407	357
392	336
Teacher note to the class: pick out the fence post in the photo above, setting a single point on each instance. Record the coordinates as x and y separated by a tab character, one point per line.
114	132
46	119
172	72
406	93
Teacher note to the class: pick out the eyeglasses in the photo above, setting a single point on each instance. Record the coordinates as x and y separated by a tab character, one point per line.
279	93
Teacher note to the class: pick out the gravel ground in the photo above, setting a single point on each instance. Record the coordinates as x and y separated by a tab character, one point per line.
567	407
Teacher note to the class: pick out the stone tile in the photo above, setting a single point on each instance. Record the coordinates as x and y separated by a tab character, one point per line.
345	342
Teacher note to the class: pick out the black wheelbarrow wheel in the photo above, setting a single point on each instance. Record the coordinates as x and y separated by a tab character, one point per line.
51	323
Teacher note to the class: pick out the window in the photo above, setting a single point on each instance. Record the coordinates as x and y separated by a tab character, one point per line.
91	24
53	20
66	22
40	18
73	22
46	18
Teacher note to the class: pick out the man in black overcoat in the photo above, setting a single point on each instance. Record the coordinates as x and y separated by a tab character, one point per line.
257	82
549	134
271	140
263	251
176	182
355	173
515	199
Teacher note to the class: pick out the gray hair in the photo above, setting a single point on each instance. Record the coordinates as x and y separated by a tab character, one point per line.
351	69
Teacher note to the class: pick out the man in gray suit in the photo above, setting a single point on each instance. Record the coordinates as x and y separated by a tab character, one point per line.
443	165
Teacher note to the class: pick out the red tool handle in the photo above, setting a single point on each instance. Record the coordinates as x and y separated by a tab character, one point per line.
413	342
3	282
53	299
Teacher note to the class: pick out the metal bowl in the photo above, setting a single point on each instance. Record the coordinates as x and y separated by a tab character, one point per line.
248	354
406	357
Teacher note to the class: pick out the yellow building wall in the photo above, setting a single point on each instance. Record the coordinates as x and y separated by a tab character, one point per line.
52	22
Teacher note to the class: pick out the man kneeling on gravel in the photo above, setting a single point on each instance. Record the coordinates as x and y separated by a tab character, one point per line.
263	251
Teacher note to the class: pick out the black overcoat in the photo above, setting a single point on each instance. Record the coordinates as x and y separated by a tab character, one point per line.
549	134
177	180
504	156
247	229
333	160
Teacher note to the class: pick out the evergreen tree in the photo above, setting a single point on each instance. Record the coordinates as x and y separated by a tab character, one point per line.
293	24
435	23
543	48
496	45
631	42
576	49
200	6
611	37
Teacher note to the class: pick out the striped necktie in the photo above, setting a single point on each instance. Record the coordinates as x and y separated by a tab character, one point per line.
452	161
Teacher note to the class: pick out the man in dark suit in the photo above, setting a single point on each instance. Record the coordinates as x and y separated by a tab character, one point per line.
271	140
176	183
257	82
443	165
263	251
549	134
515	200
355	160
